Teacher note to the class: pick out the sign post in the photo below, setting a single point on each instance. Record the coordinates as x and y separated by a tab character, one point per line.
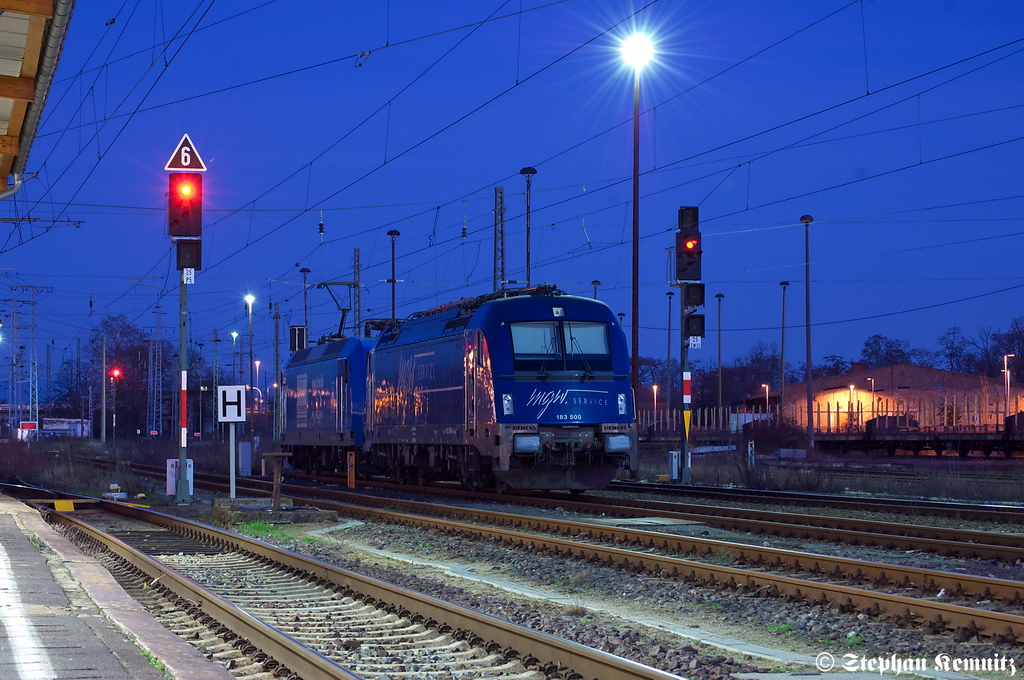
231	409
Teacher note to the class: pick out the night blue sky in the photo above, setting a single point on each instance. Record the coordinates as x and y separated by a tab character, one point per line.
896	125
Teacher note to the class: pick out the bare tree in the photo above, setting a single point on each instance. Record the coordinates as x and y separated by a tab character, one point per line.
955	353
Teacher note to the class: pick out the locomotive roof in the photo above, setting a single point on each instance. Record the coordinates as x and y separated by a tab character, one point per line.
339	348
486	311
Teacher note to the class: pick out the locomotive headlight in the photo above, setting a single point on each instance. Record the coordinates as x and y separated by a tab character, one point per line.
622	403
507	406
617	443
526	443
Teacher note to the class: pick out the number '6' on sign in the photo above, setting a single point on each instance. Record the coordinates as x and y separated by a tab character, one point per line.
185	157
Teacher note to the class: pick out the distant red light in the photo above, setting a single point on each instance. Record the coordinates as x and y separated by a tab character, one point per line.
185	189
690	244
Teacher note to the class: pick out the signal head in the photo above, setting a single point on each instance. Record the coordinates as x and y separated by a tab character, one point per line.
185	205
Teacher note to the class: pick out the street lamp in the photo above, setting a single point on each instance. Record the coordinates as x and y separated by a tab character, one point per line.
872	381
850	411
393	233
668	354
655	388
234	356
595	283
305	299
719	297
766	388
256	384
249	299
528	173
782	351
1006	372
807	219
637	50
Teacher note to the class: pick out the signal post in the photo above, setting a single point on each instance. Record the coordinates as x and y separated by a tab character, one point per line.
691	326
185	229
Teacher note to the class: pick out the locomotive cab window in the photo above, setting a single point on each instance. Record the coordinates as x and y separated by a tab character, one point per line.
544	346
535	340
586	346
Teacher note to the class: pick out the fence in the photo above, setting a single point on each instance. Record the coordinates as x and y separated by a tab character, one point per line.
950	413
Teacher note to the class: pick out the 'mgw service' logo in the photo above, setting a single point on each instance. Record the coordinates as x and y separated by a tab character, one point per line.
546	398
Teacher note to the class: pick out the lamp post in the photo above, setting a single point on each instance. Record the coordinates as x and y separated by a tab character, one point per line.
201	390
257	383
766	388
719	297
782	350
528	173
114	375
655	388
595	283
872	381
668	355
807	219
1006	394
393	233
249	299
637	50
305	299
234	356
850	411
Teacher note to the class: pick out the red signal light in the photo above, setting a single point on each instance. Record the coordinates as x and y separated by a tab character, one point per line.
115	373
185	205
691	244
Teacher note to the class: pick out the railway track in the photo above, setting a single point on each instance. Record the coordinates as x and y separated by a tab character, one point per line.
962	605
908	507
939	540
259	608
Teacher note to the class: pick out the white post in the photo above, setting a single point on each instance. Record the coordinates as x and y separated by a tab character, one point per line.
232	456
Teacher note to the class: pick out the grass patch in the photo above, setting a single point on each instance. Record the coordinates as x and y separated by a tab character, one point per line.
153	660
783	627
721	558
263	530
577	611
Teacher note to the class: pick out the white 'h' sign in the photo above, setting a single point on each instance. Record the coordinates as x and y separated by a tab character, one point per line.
230	403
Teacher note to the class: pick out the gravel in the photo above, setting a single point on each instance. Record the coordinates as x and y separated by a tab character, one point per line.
793	626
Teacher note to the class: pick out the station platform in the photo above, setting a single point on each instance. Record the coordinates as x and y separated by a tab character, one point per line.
63	616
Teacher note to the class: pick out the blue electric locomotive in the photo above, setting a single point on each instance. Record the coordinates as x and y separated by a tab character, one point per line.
518	389
325	400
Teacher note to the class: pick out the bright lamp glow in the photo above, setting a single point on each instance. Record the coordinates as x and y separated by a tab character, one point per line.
637	50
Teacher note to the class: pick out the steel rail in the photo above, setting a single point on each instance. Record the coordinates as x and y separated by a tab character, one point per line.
759	518
297	657
1002	513
587	662
999	625
751	524
858	532
902	609
925	580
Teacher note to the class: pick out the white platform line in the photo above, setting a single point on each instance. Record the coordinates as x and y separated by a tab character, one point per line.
30	659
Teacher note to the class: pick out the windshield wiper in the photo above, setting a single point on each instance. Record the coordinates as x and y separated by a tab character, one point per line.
574	343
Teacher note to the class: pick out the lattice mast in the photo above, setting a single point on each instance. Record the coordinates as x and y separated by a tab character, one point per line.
499	238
